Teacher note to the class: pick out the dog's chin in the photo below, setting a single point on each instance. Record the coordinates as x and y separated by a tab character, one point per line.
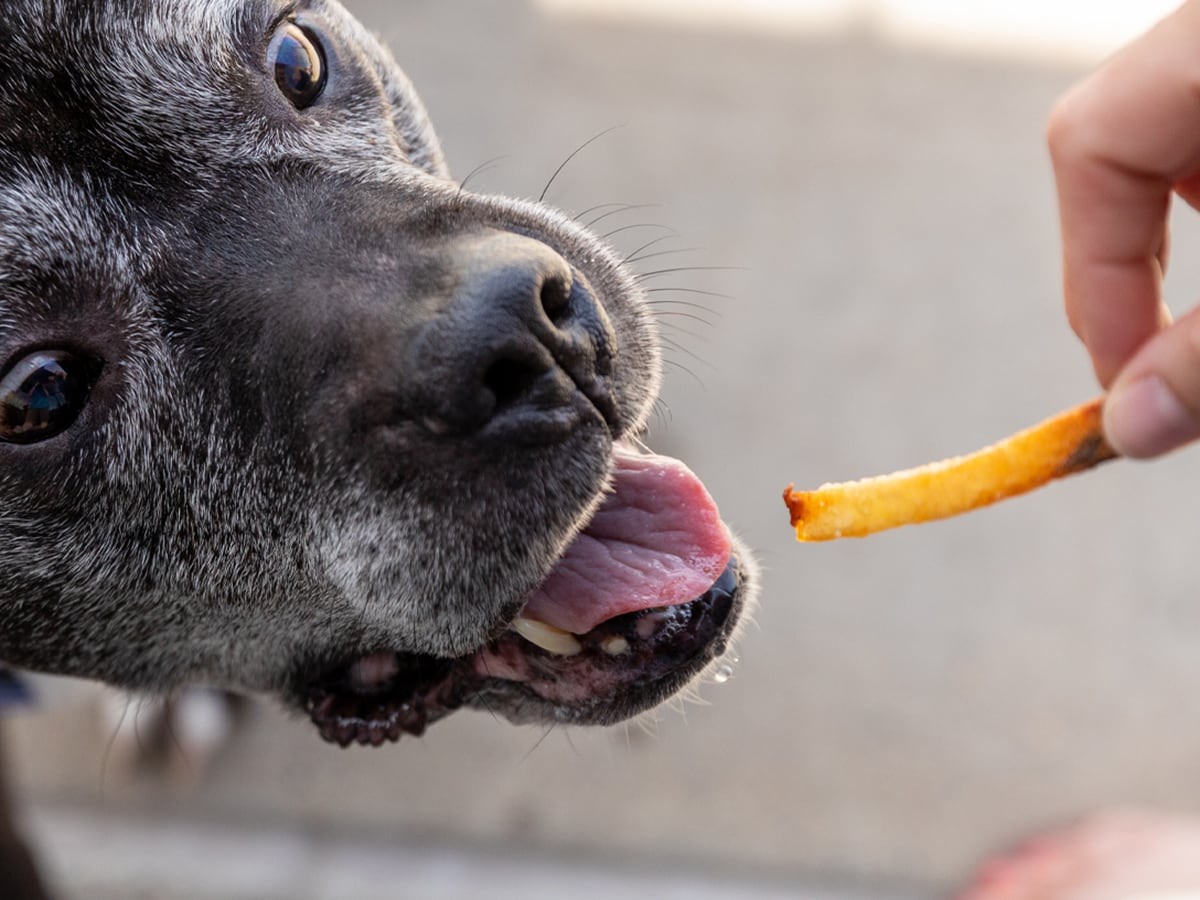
642	600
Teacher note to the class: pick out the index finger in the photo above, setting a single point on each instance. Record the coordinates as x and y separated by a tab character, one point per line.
1120	141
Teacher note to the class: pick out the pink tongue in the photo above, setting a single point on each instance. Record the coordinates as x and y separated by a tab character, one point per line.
656	541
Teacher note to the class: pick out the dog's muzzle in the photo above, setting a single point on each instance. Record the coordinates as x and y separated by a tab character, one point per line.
644	598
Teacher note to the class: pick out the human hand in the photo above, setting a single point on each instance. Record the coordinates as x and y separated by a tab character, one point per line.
1123	142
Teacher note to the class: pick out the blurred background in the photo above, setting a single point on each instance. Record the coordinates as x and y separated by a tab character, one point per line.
874	173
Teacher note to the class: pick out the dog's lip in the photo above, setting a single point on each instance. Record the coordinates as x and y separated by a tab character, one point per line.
620	668
627	652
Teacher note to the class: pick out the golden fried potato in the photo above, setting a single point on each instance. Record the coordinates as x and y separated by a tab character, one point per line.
1068	443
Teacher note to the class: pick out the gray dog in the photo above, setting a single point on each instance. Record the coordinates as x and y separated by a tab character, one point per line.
285	410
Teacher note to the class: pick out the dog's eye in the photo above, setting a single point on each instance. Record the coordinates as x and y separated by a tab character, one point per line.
296	59
43	394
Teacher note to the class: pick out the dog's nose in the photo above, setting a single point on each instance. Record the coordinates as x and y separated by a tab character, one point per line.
521	349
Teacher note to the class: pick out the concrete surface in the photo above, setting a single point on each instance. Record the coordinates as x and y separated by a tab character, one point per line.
905	704
104	857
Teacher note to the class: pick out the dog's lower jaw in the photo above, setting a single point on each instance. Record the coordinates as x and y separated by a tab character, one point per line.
622	667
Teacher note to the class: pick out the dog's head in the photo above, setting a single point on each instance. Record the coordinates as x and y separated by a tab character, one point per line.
282	408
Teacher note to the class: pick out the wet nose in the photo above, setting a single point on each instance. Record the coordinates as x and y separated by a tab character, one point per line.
520	349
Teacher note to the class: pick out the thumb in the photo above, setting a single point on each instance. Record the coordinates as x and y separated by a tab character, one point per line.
1154	405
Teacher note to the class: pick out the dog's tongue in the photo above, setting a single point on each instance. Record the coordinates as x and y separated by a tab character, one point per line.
656	541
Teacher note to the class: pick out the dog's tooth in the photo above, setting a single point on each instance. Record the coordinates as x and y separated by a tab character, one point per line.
436	426
649	624
551	639
374	671
615	645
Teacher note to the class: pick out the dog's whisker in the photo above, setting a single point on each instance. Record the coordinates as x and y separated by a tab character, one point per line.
646	246
640	444
676	704
617	212
570	742
490	709
685	290
487	166
667	361
662	410
689	304
567	161
678	347
648	724
106	757
142	704
643	276
667	314
637	259
532	750
482	697
694	695
676	329
691	694
677	326
670	322
599	206
173	738
624	228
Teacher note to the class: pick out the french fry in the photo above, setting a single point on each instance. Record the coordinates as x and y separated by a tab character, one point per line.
1070	442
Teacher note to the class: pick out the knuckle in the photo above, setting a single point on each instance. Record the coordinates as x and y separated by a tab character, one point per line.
1071	125
1176	357
1075	321
1190	345
1062	130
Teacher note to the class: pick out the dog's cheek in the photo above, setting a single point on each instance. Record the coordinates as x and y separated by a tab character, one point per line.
442	563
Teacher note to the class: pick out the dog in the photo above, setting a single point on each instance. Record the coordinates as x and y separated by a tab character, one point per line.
286	410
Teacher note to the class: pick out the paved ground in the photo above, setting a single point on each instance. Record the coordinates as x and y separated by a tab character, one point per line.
905	704
104	857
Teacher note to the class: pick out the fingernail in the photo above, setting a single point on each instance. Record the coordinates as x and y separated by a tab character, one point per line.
1146	419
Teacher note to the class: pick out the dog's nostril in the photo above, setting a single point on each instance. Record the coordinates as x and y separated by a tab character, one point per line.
510	380
517	349
556	299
